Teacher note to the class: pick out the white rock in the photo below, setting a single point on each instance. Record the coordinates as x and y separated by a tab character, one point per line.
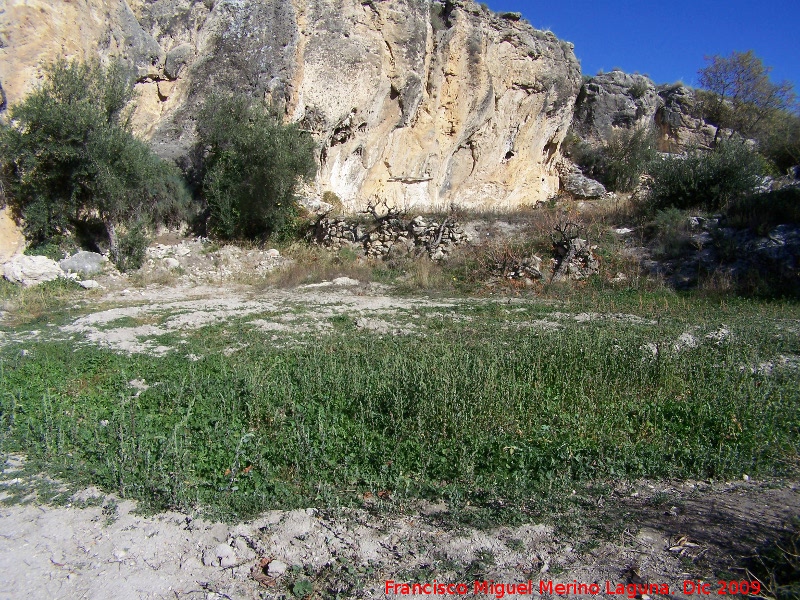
273	253
686	341
222	555
243	549
89	284
277	568
344	281
219	532
31	270
650	348
84	263
171	263
119	553
719	336
623	231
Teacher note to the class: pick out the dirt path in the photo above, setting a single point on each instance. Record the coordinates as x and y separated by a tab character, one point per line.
108	551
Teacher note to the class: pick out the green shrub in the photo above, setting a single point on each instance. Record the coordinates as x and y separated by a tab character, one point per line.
780	140
252	166
762	212
69	156
438	17
709	180
620	161
55	248
639	89
132	248
671	235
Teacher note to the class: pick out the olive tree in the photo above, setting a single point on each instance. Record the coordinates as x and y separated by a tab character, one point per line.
68	155
252	165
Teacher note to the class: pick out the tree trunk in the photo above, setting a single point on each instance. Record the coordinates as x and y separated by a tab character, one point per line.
113	246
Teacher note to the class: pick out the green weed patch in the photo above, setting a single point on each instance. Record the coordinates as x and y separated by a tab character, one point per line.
479	412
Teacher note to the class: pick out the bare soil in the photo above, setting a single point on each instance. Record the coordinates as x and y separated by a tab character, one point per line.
651	532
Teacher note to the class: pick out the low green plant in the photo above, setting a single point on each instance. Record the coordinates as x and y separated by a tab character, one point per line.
132	247
710	180
639	89
620	161
486	409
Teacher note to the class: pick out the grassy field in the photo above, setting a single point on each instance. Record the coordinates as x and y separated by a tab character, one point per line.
492	404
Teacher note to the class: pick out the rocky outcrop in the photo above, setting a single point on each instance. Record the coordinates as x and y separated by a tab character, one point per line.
422	104
581	187
84	263
616	101
679	122
31	270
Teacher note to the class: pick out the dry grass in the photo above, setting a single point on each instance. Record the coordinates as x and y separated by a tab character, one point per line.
516	235
159	276
25	305
313	264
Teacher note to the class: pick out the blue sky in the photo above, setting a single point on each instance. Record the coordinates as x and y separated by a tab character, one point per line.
668	40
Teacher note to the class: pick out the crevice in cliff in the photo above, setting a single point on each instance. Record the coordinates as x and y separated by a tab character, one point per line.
474	154
391	55
549	152
441	15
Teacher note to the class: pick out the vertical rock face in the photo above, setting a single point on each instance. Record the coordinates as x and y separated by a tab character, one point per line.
679	121
423	104
35	32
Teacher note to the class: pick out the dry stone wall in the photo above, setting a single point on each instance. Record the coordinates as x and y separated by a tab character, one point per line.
392	236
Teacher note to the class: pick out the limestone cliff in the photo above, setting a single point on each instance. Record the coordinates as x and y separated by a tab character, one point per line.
420	103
